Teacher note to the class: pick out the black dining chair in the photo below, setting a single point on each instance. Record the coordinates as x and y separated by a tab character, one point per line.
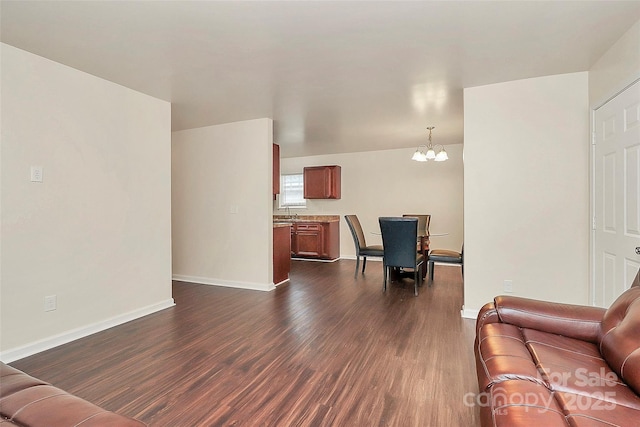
445	256
362	250
399	241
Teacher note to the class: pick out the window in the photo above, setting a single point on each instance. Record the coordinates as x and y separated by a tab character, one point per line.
292	191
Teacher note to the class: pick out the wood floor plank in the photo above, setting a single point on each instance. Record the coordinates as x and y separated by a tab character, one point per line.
327	349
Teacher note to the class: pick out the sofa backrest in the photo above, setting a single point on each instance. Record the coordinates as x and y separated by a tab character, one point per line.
620	336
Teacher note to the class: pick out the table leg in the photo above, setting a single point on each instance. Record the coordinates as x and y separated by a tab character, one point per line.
424	249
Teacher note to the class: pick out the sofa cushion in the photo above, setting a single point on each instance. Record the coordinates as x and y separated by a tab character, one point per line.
562	360
47	405
620	337
14	380
503	355
28	402
580	322
588	411
575	366
521	403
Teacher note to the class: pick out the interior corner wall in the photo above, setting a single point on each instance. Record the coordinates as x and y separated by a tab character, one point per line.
389	183
222	194
616	69
526	182
96	233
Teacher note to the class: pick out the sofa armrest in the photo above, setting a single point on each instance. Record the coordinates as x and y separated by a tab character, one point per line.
573	321
28	401
487	314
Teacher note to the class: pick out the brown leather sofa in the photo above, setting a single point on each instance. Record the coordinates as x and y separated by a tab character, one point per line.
27	401
549	364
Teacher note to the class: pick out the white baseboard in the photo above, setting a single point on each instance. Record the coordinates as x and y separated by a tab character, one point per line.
353	257
226	283
74	334
469	314
280	283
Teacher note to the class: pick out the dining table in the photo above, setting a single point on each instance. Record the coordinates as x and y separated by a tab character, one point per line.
423	244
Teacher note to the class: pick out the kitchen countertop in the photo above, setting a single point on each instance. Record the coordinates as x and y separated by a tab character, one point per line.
281	224
286	219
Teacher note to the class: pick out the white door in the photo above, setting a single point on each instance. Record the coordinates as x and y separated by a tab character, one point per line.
616	195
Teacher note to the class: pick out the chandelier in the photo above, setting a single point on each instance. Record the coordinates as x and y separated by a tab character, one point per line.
427	152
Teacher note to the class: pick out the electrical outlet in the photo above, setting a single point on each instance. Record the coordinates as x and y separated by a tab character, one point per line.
508	286
50	303
36	173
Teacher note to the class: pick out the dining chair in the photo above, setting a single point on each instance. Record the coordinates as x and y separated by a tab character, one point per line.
399	241
445	256
362	250
423	236
423	222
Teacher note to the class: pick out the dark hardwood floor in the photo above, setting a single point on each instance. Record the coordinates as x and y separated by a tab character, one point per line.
325	350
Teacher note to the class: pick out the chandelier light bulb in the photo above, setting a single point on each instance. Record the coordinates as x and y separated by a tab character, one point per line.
427	152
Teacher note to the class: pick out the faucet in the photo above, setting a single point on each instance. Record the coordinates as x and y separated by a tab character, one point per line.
288	212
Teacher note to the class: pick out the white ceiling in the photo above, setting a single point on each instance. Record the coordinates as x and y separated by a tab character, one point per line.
334	76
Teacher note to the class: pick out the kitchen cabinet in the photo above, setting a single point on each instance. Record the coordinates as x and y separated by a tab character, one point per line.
322	182
319	240
276	170
308	240
281	253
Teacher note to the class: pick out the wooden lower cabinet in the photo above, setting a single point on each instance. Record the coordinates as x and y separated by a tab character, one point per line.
308	240
319	240
281	254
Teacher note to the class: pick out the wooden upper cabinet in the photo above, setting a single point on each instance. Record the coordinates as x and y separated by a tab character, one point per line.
276	169
322	182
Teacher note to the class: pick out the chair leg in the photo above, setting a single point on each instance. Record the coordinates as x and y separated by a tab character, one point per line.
431	266
416	273
357	265
364	263
384	284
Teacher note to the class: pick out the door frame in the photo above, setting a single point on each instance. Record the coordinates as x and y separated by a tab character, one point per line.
592	189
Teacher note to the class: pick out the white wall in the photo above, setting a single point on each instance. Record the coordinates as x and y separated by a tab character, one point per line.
616	69
216	171
389	183
96	232
527	189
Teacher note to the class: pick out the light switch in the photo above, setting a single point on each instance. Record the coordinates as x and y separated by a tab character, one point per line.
36	173
508	285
